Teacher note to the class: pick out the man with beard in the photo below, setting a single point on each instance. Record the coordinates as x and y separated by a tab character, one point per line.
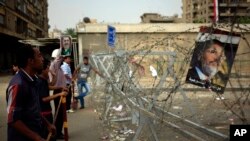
66	45
205	71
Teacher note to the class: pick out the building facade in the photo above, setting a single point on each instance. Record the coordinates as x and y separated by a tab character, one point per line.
20	19
24	18
157	18
202	11
55	33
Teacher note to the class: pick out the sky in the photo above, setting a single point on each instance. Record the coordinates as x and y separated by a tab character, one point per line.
67	13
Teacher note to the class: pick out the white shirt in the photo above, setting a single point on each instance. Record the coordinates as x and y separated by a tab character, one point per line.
67	71
201	75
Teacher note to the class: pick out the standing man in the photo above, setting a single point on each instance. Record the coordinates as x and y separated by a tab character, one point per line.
23	109
82	72
68	75
44	95
15	68
60	82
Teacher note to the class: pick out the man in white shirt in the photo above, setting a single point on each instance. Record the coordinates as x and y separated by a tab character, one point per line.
68	75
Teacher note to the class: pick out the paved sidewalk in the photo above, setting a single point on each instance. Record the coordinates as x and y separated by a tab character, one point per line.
84	124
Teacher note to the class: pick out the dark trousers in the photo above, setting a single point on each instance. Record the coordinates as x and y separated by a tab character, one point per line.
68	98
59	118
49	117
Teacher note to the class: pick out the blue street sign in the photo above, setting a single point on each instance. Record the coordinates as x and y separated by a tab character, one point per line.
111	36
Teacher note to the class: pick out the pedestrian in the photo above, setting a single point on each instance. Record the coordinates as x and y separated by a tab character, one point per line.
24	119
15	68
44	96
82	73
60	82
68	75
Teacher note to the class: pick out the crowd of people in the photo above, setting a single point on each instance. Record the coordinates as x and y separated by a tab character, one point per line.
30	116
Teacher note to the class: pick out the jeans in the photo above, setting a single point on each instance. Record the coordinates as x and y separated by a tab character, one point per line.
82	94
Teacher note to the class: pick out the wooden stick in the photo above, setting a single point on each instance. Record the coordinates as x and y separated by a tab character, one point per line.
57	110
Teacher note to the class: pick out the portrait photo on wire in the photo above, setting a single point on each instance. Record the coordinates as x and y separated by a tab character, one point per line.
66	45
212	59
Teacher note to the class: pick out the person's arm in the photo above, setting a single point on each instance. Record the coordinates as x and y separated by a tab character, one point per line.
97	72
67	77
52	97
52	76
58	88
23	129
51	127
16	99
75	73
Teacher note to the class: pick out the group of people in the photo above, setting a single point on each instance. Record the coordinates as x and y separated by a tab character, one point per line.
28	99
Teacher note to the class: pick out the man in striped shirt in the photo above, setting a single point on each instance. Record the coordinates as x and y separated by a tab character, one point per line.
24	119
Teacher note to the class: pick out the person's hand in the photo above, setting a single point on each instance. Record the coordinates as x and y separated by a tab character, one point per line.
64	93
65	89
52	73
52	129
38	138
73	79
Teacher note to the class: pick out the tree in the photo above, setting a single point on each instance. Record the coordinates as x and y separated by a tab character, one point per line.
71	32
244	20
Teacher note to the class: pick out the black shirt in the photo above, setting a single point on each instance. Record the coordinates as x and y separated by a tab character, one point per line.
43	90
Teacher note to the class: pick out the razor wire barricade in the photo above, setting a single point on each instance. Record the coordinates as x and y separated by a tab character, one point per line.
135	106
144	111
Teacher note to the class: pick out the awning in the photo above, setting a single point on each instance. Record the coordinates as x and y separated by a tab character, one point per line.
43	41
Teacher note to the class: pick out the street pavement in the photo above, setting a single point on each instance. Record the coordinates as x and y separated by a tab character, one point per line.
84	124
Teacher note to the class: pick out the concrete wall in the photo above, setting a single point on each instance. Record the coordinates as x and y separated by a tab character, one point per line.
157	37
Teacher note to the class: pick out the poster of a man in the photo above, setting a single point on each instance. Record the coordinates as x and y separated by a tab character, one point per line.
213	59
66	45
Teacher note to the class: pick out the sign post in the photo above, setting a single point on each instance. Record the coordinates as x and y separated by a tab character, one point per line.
111	36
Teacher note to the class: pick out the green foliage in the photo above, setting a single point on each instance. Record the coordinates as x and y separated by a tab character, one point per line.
244	20
199	20
71	32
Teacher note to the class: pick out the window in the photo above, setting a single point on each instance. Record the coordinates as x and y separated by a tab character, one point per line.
2	1
21	6
1	19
